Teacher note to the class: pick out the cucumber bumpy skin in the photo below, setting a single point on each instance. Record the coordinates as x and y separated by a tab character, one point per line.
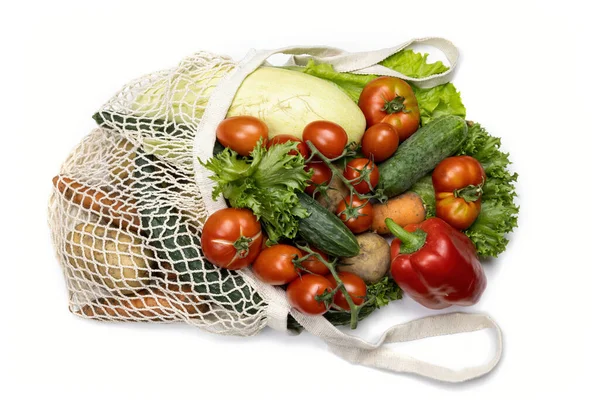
325	230
420	153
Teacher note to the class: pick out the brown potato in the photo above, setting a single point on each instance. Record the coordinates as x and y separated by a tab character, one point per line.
373	261
109	256
336	192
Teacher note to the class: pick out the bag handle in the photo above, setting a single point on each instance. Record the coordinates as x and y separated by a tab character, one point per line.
367	62
377	355
360	63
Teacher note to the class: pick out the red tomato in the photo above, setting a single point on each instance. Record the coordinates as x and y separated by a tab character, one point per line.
391	100
356	219
321	174
458	184
242	133
380	142
328	137
275	266
302	292
231	238
356	287
302	147
353	172
314	265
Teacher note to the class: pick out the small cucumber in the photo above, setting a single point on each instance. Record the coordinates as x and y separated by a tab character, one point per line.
325	230
420	153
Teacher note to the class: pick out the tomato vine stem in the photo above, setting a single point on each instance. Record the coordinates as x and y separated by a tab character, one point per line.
328	296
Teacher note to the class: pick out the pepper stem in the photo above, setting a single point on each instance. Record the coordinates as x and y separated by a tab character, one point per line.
411	241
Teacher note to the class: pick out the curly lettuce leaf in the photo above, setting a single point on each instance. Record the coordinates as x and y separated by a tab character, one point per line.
437	101
498	214
413	64
380	293
266	182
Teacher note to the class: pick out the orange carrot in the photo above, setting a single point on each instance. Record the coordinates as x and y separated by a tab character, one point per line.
404	209
115	211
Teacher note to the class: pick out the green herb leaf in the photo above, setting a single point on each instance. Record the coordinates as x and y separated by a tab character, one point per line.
266	182
383	292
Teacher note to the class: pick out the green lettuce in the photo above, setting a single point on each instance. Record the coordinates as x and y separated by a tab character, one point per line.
351	84
267	182
437	101
498	214
413	64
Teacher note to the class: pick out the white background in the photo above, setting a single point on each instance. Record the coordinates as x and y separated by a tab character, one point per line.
528	72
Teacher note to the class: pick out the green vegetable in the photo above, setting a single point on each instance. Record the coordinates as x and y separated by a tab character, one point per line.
266	182
420	153
285	100
325	230
435	102
159	127
498	214
170	140
173	239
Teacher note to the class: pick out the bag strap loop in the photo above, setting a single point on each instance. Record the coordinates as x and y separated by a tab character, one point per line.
377	355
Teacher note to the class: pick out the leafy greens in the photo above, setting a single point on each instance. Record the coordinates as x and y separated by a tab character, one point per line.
266	182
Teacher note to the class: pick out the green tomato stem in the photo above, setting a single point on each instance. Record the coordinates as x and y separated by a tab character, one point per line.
470	193
394	106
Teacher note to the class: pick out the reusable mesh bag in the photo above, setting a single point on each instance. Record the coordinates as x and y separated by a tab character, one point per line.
128	207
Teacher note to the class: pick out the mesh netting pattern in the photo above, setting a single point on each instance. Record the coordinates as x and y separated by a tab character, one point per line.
126	213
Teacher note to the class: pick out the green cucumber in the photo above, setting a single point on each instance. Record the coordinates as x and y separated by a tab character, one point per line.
420	154
326	231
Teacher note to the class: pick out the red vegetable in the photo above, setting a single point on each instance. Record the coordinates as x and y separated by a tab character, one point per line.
302	147
328	137
436	264
357	214
380	142
458	184
354	172
356	287
302	293
391	100
314	265
321	175
241	133
231	238
275	264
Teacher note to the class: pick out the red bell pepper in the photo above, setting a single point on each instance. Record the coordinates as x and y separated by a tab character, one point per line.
436	264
